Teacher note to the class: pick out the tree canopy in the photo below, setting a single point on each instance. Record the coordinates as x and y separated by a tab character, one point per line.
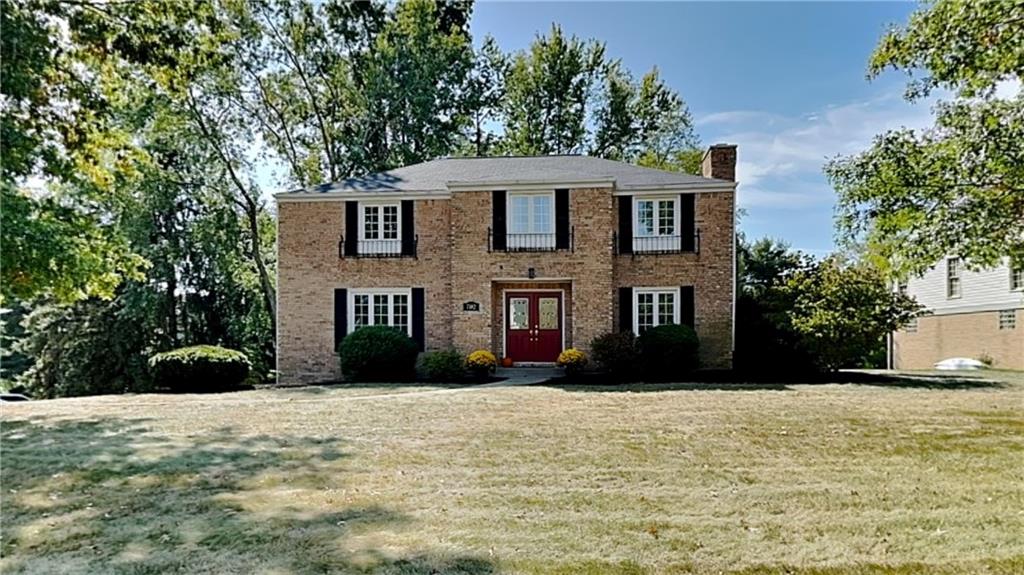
957	188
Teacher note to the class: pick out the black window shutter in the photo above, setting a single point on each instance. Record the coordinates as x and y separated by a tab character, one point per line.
686	306
625	309
418	317
625	224
562	219
408	229
687	222
498	221
351	228
340	316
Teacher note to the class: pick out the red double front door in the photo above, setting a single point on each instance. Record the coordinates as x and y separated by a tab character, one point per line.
533	325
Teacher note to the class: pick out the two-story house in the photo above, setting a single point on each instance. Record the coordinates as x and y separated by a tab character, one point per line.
973	314
524	256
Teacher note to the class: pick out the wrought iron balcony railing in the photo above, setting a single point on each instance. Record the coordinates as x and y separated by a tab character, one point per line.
379	248
529	242
658	244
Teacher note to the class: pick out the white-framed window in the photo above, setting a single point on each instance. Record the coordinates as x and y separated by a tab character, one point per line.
953	286
386	306
380	228
655	306
531	220
1017	278
656	224
1008	319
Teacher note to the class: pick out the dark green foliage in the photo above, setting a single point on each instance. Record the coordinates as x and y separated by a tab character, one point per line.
378	353
617	354
89	348
447	365
200	368
667	351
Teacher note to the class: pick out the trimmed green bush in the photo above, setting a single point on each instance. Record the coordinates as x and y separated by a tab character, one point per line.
667	351
446	365
200	368
378	353
617	354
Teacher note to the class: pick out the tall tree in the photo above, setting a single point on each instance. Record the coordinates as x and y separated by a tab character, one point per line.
958	187
646	123
547	92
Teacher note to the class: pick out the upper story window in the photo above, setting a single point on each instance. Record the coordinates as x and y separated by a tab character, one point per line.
1017	278
953	271
380	307
656	225
531	221
380	228
655	306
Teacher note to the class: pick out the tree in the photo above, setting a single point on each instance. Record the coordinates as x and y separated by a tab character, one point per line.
843	311
547	90
956	188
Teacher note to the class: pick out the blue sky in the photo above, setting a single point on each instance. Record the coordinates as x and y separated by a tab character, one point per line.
784	81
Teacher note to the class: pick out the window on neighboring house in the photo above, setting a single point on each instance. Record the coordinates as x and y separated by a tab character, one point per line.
655	306
656	225
380	229
953	287
911	326
380	307
531	221
1008	319
902	288
1017	278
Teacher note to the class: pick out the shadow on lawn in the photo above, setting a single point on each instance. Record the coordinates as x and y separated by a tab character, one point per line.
108	496
724	380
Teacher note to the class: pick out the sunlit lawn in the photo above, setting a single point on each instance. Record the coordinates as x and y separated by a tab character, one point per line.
915	476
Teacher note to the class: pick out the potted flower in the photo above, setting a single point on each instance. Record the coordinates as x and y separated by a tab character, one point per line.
573	360
481	363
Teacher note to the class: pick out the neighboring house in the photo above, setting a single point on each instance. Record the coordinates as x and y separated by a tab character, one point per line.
974	314
523	256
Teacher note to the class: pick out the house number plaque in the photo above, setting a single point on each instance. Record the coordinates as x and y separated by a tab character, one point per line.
471	306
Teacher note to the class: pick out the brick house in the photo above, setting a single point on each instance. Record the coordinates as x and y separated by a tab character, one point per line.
524	256
977	314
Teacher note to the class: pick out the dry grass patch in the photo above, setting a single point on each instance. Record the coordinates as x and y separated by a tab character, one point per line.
908	478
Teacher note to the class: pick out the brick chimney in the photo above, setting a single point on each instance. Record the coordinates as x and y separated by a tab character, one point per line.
720	162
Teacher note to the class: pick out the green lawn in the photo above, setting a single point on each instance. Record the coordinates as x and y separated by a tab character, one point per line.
912	476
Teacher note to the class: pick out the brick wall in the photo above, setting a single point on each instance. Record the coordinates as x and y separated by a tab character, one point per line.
477	273
710	272
309	270
970	335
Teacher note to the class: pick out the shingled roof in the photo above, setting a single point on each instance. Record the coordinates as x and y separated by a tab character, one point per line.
439	175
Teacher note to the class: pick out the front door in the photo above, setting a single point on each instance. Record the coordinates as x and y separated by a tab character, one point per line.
533	326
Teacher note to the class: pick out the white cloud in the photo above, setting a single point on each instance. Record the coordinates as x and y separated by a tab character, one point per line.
781	158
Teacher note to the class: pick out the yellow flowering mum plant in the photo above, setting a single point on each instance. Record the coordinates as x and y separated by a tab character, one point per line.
573	360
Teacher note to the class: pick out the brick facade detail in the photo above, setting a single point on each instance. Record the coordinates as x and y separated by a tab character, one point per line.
973	335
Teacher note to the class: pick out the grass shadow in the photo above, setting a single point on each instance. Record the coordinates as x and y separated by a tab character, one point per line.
728	380
112	496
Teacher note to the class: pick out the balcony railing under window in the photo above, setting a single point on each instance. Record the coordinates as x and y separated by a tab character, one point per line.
529	242
659	244
380	248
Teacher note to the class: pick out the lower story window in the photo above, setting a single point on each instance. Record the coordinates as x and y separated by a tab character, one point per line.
380	307
1008	319
654	307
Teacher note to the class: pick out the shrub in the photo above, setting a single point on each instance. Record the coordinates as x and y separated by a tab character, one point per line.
200	368
573	360
667	351
446	365
481	363
616	353
378	353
